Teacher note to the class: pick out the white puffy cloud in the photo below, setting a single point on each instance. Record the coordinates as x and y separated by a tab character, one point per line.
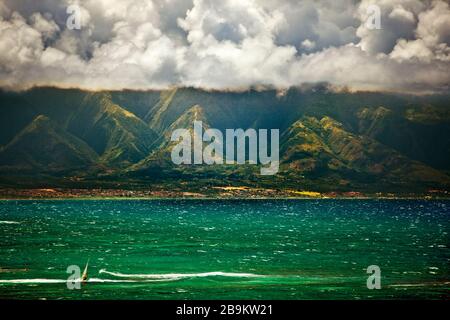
325	23
353	67
398	21
231	44
20	44
434	24
228	44
210	21
45	25
432	37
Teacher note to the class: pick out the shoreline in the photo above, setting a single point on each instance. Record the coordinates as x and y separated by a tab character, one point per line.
217	198
212	193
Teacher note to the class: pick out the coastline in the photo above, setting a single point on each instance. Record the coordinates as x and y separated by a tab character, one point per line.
239	193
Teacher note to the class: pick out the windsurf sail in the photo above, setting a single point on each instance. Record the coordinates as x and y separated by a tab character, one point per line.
84	276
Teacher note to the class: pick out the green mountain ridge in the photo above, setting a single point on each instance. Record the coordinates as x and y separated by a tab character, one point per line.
349	141
323	147
117	135
161	157
46	147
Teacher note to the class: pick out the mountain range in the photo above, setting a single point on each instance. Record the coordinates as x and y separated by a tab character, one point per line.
329	140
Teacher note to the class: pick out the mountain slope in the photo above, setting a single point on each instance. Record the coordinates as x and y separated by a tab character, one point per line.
319	148
354	141
43	146
161	157
419	134
117	135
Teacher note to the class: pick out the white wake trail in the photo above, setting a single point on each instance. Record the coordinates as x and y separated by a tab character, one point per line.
9	222
176	276
132	278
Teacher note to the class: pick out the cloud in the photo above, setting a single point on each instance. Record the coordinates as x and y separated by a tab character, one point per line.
228	44
432	37
350	66
398	21
20	44
325	23
44	25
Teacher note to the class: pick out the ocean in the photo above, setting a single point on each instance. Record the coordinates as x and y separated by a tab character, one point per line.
225	249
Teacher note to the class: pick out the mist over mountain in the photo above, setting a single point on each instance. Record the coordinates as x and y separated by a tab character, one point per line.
364	141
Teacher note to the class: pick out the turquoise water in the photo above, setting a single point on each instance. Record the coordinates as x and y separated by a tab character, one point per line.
225	249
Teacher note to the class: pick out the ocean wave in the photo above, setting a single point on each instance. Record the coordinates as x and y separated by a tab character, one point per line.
9	222
31	281
56	281
426	284
133	278
98	280
176	276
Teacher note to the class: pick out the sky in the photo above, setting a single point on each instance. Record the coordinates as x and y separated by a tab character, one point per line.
226	44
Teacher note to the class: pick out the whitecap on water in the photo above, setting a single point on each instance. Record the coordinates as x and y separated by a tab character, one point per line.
176	276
